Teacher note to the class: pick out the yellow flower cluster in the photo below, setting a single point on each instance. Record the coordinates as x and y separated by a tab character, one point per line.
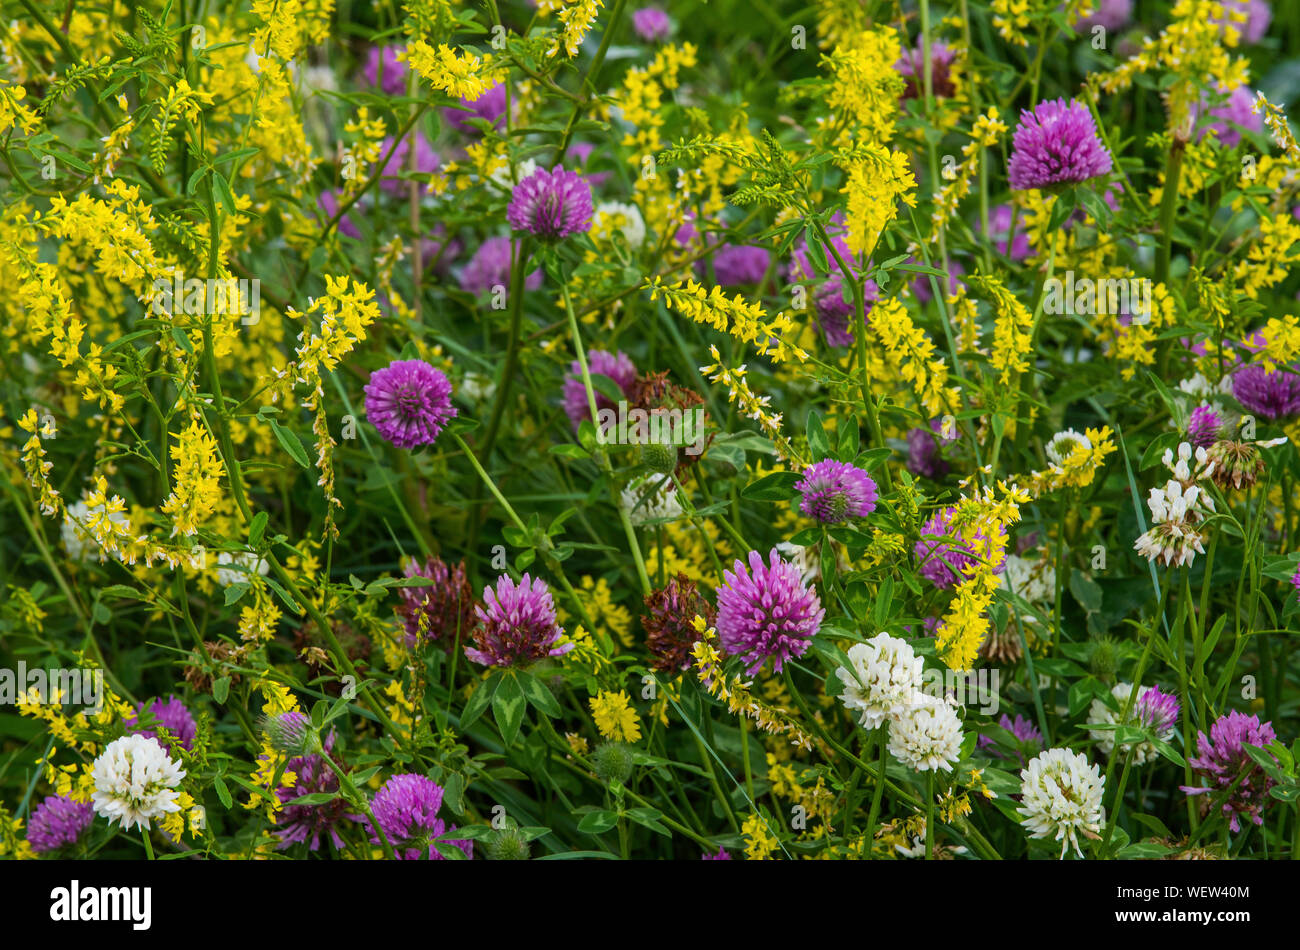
576	19
1012	329
461	76
878	179
736	692
864	86
747	322
1078	469
196	474
985	133
912	356
980	522
615	719
1193	52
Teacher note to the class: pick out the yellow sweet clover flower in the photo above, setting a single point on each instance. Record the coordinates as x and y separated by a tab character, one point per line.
759	842
864	86
985	133
981	522
615	719
196	474
912	356
463	76
1281	342
736	692
1193	54
1280	128
576	18
1011	18
747	322
12	111
597	600
1077	469
1012	329
877	180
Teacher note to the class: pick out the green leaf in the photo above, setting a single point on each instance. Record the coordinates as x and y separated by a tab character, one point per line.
508	707
849	439
539	696
290	442
221	689
257	528
479	701
223	792
778	486
818	444
597	822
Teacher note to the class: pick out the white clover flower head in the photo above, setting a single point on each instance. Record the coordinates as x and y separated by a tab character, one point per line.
885	676
645	500
1034	580
927	735
1061	797
236	568
135	782
1064	443
626	218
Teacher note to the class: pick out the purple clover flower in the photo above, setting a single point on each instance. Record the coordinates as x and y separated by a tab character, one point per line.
409	402
1274	395
1222	759
599	362
328	203
395	71
550	205
172	716
835	491
1258	16
1056	145
308	823
490	106
1204	426
58	822
1111	14
945	562
740	266
399	162
490	267
440	612
651	24
720	855
1000	228
1238	110
516	624
923	456
1158	711
911	66
1023	729
406	809
767	611
832	297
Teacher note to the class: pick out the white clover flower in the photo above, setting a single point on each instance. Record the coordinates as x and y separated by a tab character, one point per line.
1063	443
244	564
1177	509
884	677
1034	580
622	217
135	781
644	501
1061	796
477	388
927	735
501	176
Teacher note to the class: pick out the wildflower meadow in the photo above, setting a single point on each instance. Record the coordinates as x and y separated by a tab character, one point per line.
729	430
